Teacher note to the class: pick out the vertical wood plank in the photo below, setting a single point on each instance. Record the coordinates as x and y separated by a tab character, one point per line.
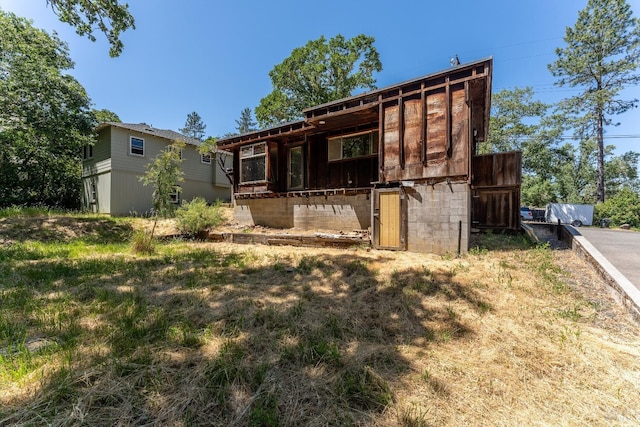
448	117
401	131
381	128
423	125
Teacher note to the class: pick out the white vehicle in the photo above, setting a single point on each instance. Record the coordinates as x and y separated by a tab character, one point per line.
570	213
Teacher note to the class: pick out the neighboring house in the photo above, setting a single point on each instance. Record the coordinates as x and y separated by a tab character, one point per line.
111	169
399	161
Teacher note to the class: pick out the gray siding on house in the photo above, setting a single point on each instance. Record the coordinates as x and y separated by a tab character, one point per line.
102	201
192	165
101	156
96	172
210	193
221	178
115	174
128	195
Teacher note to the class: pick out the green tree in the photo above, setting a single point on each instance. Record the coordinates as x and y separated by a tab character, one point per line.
601	58
45	118
245	123
621	208
109	16
622	172
194	126
515	120
520	123
105	115
319	72
164	173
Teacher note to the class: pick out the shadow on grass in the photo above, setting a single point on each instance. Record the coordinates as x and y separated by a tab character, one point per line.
92	230
208	338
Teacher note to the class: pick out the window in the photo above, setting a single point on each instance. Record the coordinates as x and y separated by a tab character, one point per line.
206	158
296	168
351	146
136	146
93	192
87	152
253	163
175	196
172	148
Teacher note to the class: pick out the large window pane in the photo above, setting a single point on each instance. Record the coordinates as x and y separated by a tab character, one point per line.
253	169
296	168
253	162
136	146
351	146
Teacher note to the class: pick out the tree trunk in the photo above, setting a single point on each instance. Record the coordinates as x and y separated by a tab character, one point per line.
600	189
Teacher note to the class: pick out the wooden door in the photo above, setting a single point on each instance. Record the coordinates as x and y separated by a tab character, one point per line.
389	219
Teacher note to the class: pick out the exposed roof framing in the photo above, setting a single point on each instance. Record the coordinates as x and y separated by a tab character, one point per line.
363	108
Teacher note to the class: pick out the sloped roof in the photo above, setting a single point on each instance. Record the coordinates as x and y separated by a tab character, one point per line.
366	104
150	130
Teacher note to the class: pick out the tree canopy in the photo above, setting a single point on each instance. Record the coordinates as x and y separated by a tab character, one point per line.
321	71
554	170
105	115
45	118
109	16
194	126
601	57
246	123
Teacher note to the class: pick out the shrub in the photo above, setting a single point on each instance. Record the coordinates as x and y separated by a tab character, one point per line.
142	243
622	208
195	218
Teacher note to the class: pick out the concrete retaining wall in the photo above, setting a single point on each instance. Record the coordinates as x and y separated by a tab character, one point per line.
622	288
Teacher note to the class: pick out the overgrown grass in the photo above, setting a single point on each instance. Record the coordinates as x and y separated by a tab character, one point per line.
16	211
218	334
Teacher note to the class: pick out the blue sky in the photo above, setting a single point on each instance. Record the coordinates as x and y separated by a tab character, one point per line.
214	57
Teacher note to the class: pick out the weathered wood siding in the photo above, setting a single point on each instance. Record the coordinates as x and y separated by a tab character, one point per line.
496	190
427	137
497	169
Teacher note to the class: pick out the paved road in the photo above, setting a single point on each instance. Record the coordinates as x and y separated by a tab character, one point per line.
620	247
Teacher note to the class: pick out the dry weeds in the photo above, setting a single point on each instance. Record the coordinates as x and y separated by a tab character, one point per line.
255	335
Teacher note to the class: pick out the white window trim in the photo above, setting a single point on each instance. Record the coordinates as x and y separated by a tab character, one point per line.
251	156
94	192
131	138
175	195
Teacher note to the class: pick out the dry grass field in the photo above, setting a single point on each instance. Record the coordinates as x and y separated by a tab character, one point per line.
92	333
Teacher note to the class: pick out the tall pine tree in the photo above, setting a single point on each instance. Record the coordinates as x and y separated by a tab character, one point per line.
601	58
194	126
245	123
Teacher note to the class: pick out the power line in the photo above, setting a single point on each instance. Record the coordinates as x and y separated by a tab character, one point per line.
576	138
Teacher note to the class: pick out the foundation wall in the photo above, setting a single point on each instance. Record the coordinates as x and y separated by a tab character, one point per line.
335	212
434	216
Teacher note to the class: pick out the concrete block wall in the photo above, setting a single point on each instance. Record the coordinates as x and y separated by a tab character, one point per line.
433	217
335	212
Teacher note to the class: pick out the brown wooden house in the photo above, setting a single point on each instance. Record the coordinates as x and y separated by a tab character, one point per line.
398	161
